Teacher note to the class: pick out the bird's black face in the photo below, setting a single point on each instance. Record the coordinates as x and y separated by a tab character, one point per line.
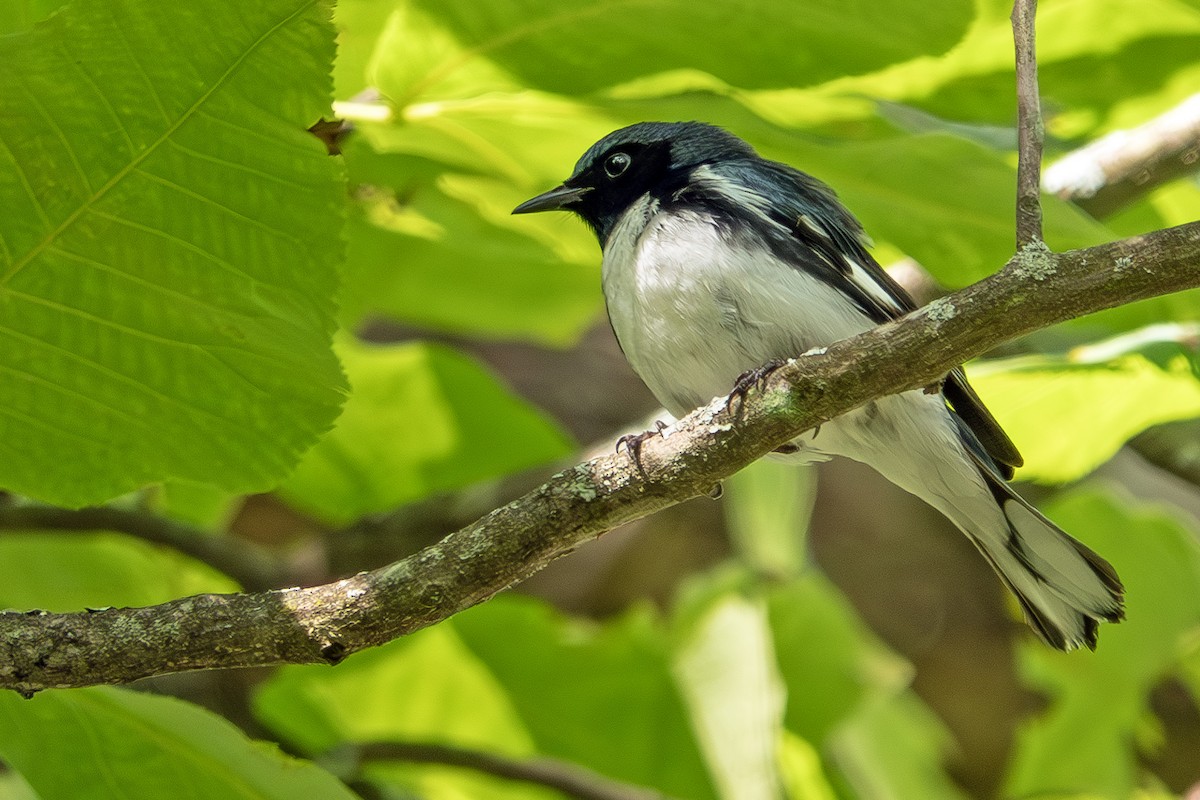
647	158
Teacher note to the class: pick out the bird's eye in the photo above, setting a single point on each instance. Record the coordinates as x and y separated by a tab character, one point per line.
616	164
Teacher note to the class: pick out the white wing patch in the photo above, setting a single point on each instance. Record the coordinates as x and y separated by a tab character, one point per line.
861	278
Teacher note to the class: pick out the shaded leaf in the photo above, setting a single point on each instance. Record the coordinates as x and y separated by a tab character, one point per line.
19	15
604	697
443	260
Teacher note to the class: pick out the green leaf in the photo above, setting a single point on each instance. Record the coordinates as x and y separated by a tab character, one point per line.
443	49
767	507
894	749
169	246
14	787
100	744
1080	744
421	419
513	677
425	687
848	666
70	571
604	697
801	770
450	258
19	15
1069	414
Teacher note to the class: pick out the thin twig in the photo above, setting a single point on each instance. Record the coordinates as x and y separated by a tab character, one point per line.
251	566
570	779
323	624
1030	132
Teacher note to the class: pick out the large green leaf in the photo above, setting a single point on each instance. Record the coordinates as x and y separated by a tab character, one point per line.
849	666
169	246
422	419
582	47
1069	414
102	744
1083	743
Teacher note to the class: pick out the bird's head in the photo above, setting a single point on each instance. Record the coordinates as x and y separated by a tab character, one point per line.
647	158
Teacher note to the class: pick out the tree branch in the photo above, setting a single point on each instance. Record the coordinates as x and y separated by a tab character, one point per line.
251	566
1106	175
325	623
570	779
1030	133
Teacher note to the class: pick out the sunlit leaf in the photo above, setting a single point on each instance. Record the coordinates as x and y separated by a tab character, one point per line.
425	687
801	772
1069	414
70	571
727	674
764	43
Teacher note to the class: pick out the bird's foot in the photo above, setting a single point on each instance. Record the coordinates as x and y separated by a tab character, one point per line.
751	379
632	442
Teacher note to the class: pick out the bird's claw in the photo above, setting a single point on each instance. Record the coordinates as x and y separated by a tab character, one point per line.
632	442
751	379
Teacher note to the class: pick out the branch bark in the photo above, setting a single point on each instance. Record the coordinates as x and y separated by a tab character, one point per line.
326	623
1030	131
1108	174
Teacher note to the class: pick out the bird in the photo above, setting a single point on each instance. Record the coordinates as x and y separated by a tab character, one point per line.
719	264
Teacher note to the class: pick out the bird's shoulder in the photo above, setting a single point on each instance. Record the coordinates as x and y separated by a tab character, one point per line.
805	225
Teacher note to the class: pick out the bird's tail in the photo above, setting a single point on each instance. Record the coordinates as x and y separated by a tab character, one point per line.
1064	587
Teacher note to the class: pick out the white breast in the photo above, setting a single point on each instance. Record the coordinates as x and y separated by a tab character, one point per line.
693	309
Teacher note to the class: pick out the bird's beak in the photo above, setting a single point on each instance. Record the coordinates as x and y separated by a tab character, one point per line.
553	200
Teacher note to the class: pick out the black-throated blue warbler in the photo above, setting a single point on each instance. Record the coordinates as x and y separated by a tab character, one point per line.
718	261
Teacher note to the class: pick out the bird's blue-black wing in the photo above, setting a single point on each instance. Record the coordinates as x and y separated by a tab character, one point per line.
803	222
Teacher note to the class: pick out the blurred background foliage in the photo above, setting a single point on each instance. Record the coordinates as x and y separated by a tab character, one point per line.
171	243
